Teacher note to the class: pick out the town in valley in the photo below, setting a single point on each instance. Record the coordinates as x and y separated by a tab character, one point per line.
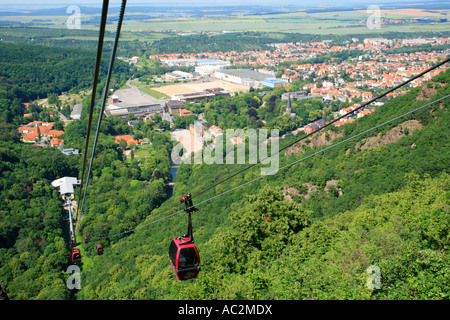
352	81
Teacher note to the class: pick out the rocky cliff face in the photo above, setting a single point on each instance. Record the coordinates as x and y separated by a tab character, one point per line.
391	136
315	140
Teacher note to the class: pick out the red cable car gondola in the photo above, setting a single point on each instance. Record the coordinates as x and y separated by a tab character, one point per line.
99	249
183	254
76	255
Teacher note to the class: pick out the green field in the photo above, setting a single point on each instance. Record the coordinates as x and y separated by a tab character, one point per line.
152	27
153	93
321	23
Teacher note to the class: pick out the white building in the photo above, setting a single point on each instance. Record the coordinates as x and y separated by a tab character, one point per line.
213	62
76	112
415	41
178	75
327	84
135	59
243	76
377	41
208	66
70	151
65	184
179	62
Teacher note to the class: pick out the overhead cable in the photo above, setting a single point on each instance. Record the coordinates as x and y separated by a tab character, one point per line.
284	167
105	96
328	124
101	36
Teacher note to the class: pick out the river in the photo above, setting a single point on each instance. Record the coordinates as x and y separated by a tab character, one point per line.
173	174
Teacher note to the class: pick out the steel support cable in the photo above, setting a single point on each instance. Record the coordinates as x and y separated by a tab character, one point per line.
284	167
94	90
105	96
328	124
308	135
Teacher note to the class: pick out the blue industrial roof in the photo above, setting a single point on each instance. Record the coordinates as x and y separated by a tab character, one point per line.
210	61
272	80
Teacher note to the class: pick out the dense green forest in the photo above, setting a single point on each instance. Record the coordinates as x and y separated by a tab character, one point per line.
244	41
33	235
309	232
166	42
34	251
262	109
30	72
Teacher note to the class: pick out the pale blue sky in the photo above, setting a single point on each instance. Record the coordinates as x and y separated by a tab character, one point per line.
60	3
12	5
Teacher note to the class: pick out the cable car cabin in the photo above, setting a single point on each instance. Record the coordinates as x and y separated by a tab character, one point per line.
99	249
184	258
76	256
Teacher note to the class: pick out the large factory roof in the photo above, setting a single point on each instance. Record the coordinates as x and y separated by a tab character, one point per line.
246	74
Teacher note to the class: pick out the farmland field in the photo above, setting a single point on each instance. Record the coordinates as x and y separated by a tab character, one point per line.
154	25
340	22
413	13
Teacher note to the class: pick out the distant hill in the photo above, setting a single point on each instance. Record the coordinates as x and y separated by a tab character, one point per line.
31	71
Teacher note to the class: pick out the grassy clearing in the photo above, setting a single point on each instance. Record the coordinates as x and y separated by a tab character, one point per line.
144	151
141	153
153	93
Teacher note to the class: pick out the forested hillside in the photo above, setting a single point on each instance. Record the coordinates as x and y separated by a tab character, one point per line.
309	232
34	247
312	230
243	41
33	231
29	72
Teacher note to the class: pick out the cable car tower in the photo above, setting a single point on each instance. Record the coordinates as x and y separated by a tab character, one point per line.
66	189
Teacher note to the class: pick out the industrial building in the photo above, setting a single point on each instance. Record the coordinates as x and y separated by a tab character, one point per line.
178	62
76	112
273	83
207	93
176	107
248	77
212	62
132	101
178	75
208	66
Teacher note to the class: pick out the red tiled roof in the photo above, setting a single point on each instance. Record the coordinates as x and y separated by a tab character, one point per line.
128	139
30	130
56	142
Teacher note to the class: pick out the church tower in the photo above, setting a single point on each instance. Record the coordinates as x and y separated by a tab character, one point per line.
288	107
